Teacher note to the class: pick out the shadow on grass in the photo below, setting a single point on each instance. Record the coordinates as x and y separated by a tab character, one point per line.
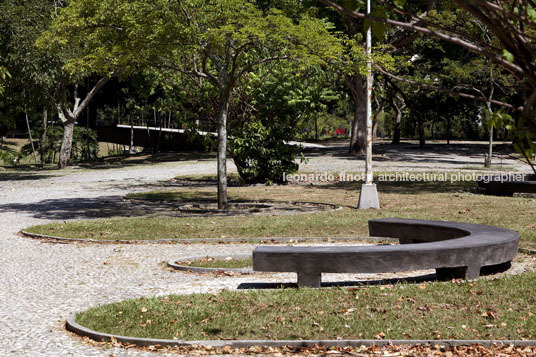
122	161
484	271
404	187
357	283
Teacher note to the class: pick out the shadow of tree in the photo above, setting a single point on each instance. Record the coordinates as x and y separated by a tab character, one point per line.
122	161
412	153
403	187
22	176
98	207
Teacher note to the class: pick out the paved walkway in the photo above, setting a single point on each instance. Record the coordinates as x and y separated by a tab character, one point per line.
42	283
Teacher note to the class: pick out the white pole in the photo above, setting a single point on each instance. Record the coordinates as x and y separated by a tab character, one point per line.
368	197
368	164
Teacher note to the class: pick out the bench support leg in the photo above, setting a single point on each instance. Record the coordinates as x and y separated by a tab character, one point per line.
309	279
469	273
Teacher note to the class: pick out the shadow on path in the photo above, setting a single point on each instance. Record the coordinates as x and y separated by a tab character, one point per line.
84	208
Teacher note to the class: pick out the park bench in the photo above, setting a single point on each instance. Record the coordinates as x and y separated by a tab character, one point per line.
491	185
454	250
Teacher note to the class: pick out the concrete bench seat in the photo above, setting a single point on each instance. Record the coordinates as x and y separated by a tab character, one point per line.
491	185
455	250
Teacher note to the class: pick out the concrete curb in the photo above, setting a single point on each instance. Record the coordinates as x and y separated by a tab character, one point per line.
259	240
173	264
74	327
527	251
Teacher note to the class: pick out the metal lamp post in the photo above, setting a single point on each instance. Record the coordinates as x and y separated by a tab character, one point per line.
368	198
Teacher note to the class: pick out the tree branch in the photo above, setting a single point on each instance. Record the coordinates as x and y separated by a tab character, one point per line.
458	41
90	95
445	90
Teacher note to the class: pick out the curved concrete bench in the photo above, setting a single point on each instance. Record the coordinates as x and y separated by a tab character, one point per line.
455	250
494	185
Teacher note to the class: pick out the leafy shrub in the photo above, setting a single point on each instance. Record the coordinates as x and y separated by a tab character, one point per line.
49	149
9	157
261	154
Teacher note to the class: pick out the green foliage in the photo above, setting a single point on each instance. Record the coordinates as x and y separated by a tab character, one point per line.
521	135
269	107
34	73
4	75
9	157
51	147
126	35
261	155
322	122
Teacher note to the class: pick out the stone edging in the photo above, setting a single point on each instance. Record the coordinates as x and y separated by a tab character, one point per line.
173	264
74	327
527	251
207	240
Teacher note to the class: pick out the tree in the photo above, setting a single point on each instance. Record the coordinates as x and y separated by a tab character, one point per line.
39	82
266	112
512	25
216	41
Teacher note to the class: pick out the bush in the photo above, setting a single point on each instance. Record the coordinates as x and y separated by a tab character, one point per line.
9	157
52	146
261	154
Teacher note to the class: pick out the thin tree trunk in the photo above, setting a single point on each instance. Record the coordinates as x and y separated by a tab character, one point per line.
487	162
131	148
316	128
222	152
379	109
422	140
66	145
44	136
448	130
31	140
68	118
529	162
159	133
149	137
398	123
88	158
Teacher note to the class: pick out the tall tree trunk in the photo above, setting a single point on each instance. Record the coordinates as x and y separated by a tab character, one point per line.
398	122
377	111
422	140
358	134
448	130
44	136
222	151
31	140
66	144
131	146
68	118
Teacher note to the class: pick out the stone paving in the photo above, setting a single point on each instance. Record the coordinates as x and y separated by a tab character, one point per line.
42	283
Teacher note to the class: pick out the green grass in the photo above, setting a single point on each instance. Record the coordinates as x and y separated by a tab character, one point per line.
422	200
486	309
219	263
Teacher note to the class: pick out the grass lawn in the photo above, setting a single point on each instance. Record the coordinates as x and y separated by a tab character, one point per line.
485	309
422	200
209	262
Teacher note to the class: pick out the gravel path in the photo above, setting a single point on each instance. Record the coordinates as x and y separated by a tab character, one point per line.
43	282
